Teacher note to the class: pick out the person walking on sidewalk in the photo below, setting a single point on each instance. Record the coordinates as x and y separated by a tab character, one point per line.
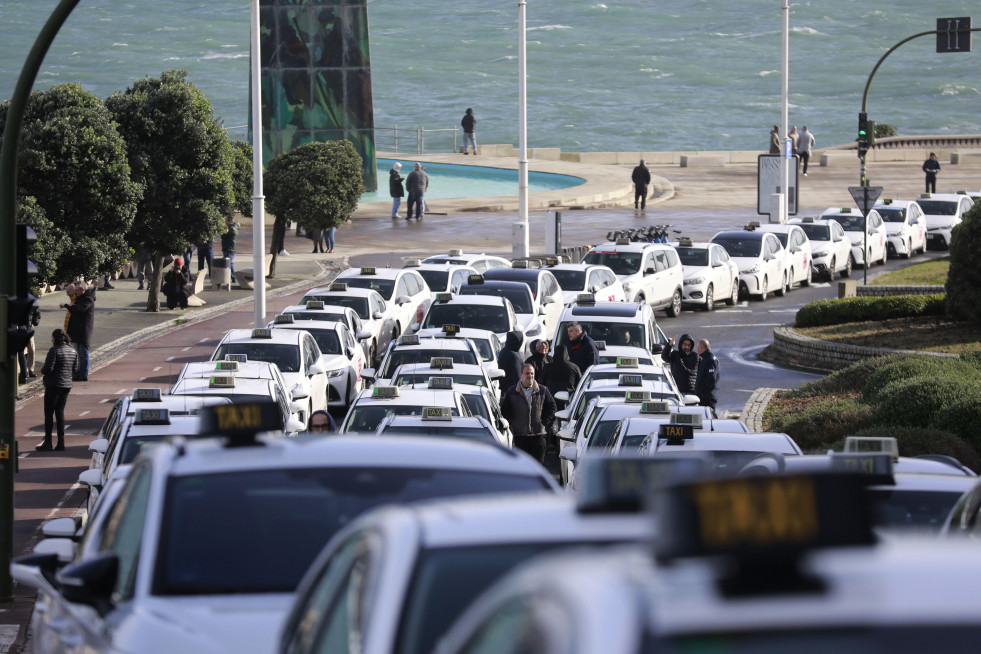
229	241
931	167
395	188
804	144
641	178
59	368
416	185
81	325
469	123
144	267
329	233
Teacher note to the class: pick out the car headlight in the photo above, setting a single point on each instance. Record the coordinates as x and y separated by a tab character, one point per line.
694	280
753	270
534	331
335	373
819	254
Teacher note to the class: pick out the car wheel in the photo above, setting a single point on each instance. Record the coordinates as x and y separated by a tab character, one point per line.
709	298
885	255
674	309
909	249
868	260
763	291
831	271
782	289
807	279
734	296
847	272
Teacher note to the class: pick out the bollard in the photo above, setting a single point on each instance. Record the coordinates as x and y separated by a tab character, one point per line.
847	288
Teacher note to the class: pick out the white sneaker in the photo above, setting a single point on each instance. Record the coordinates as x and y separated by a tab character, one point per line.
284	253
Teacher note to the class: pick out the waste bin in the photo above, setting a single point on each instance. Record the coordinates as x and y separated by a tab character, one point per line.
221	275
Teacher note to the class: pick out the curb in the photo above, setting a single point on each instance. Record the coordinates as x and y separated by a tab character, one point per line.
752	413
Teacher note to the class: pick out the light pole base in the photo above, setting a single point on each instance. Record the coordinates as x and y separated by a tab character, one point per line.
519	240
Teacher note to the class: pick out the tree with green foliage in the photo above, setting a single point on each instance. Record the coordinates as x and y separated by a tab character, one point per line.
964	277
317	185
182	157
73	184
242	178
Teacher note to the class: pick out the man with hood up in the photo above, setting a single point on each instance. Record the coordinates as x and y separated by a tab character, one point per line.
560	374
395	188
509	360
539	357
684	362
529	409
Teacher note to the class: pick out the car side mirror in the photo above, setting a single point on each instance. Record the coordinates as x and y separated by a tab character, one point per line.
317	368
690	400
562	415
61	528
368	374
570	454
99	445
36	570
493	373
363	335
91	478
541	311
657	348
648	271
562	396
294	425
63	548
414	326
377	315
296	407
403	299
300	392
91	582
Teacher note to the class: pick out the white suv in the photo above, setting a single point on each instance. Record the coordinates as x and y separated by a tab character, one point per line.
649	272
943	212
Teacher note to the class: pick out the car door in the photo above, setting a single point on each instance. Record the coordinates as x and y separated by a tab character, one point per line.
310	354
774	260
802	256
662	288
403	304
422	297
917	226
357	357
549	290
842	246
877	236
719	272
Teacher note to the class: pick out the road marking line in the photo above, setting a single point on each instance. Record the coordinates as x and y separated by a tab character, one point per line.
108	399
83	413
141	379
157	369
169	359
185	349
8	634
204	340
122	391
757	324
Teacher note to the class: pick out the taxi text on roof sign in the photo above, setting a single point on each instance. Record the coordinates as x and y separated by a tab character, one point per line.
152	417
436	413
338	287
318	305
409	339
661	407
637	396
674	432
384	391
693	419
221	381
284	319
241	358
241	420
146	395
628	362
262	333
367	271
441	383
441	362
474	280
227	366
451	330
874	444
444	297
877	468
625	483
630	380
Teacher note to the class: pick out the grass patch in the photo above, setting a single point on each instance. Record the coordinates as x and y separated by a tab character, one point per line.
924	333
928	273
181	321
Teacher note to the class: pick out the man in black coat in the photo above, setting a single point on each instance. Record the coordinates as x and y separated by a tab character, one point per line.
582	349
708	375
560	374
529	409
509	359
684	362
81	324
641	177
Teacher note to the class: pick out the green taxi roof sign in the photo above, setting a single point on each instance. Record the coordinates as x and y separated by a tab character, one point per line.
227	366
628	362
661	407
630	380
221	381
384	392
444	297
412	263
368	271
632	397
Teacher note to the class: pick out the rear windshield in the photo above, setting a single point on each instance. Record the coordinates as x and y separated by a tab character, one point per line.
476	316
740	247
327	339
894	638
366	417
938	207
520	297
470	433
359	304
385	287
621	263
287	357
817	232
923	511
314	502
613	333
435	279
401	357
694	256
571	280
892	215
410	379
850	223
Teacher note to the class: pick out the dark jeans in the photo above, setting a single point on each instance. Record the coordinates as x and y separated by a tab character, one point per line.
22	365
533	445
416	199
54	410
205	255
640	194
83	362
804	158
931	182
231	262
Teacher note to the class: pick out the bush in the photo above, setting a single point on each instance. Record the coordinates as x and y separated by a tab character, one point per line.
964	277
908	366
847	380
962	418
917	441
823	423
835	311
972	358
913	402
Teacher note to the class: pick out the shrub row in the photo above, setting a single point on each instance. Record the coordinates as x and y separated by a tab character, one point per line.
835	311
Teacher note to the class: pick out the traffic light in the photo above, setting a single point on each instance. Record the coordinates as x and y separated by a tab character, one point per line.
21	308
863	133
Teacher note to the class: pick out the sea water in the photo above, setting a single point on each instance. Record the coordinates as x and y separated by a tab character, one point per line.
602	76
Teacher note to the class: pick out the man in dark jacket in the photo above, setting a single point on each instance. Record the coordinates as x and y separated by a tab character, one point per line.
529	409
416	184
684	362
395	188
509	359
81	324
229	243
641	178
582	348
469	123
708	375
560	374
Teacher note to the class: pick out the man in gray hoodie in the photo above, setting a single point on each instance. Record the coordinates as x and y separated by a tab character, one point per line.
416	185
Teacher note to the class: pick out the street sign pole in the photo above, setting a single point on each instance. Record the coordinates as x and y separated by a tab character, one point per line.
865	197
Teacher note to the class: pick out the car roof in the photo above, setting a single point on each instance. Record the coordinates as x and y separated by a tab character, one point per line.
243	386
633	246
254	369
778	228
647	423
175	404
351	290
435	344
411	397
179	426
814	221
487	300
380	273
510	274
475	422
328	308
441	266
458	368
465	332
604	310
332	325
278	335
734	442
753	235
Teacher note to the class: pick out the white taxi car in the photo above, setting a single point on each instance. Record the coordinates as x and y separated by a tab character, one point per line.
831	250
403	289
799	256
412	374
709	273
535	320
943	212
377	403
490	312
905	226
650	272
577	278
376	315
479	262
486	341
852	221
410	348
438	422
761	259
317	310
294	351
441	277
613	325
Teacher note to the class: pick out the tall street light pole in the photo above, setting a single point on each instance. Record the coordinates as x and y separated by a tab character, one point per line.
785	159
519	233
258	200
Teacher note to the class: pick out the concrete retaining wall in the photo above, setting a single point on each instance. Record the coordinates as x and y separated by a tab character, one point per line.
887	290
827	355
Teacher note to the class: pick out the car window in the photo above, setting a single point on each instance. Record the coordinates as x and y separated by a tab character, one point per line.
402	288
124	528
479	265
660	261
621	263
384	287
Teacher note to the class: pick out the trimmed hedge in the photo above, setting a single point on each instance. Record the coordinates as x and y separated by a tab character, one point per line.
907	366
835	311
847	380
913	402
821	424
917	441
962	418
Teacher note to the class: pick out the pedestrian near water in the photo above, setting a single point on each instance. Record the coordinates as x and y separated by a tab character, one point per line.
81	325
229	242
560	374
804	144
60	367
539	357
469	123
932	168
641	178
794	137
683	361
708	375
529	409
144	268
416	184
329	233
775	140
395	188
582	348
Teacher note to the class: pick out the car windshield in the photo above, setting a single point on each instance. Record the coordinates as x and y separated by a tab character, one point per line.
366	417
435	279
918	510
694	256
892	215
614	333
615	374
316	315
618	392
286	356
470	433
314	502
740	247
385	287
477	405
850	223
475	316
485	348
817	232
938	207
401	357
621	263
600	437
570	280
327	339
133	445
612	358
423	378
520	296
359	304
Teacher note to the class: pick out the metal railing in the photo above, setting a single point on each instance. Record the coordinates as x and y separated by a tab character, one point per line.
923	141
415	140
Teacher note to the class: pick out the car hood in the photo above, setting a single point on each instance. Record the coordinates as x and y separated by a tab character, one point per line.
526	321
692	272
335	361
933	220
745	263
213	624
893	229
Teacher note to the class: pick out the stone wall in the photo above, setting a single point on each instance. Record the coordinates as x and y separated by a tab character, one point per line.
895	289
826	355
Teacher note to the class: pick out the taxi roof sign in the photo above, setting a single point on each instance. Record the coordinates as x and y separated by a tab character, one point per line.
221	381
628	362
409	339
521	263
227	366
751	226
807	219
384	392
475	279
441	383
436	413
368	271
684	242
242	422
241	358
623	240
600	345
444	297
637	396
873	444
284	319
455	252
693	419
656	407
674	433
412	263
551	261
318	305
338	287
586	298
152	417
630	380
451	330
441	363
877	468
264	332
625	484
146	395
